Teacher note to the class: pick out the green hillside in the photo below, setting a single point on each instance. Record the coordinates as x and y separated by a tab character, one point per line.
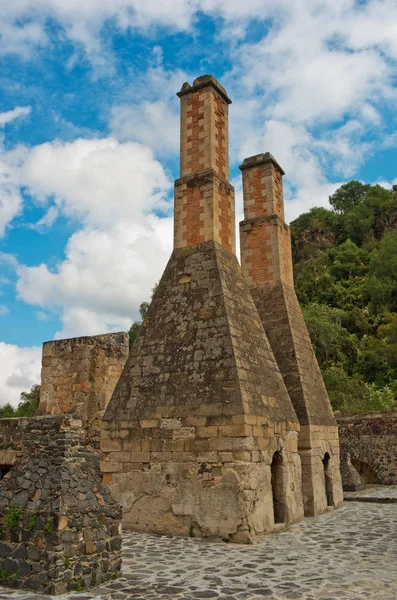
345	264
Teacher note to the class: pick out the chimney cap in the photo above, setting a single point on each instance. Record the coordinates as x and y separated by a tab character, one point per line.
260	159
201	82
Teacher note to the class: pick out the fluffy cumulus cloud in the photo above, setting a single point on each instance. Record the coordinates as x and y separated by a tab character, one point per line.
313	88
10	196
20	369
118	194
105	276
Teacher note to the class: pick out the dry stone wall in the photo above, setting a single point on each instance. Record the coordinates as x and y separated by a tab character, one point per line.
60	527
11	432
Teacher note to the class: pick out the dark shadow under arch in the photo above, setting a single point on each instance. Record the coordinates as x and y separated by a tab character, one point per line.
366	472
328	479
278	489
4	469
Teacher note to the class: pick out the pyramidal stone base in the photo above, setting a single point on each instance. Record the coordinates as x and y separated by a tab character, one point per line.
200	436
289	338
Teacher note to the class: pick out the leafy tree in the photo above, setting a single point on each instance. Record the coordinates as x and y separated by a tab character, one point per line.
333	344
382	276
26	408
348	260
348	196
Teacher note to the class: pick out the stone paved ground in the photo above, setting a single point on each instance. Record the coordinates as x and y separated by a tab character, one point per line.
349	554
374	493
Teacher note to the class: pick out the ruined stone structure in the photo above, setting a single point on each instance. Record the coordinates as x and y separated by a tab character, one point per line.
79	375
200	434
60	527
266	262
368	449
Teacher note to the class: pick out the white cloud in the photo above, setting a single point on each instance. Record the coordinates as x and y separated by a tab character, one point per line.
10	195
20	369
4	310
153	123
113	191
97	181
11	115
104	278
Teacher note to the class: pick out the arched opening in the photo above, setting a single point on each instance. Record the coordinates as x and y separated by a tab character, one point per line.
4	469
279	508
328	479
366	472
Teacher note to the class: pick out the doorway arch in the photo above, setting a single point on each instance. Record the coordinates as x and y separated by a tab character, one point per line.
278	488
328	479
366	472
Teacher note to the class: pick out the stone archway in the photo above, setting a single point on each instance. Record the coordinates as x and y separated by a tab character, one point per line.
365	471
278	488
328	479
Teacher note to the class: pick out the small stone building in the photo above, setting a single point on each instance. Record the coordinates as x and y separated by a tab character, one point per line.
60	527
79	375
200	435
266	261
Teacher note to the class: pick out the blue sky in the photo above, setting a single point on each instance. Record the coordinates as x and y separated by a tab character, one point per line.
89	135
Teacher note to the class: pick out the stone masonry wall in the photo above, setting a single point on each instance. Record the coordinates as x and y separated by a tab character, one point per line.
266	261
190	433
11	432
79	375
60	529
370	439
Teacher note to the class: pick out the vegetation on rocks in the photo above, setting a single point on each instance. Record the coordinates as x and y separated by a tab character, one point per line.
345	265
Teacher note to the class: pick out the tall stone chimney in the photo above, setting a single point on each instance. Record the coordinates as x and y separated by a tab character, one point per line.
204	199
200	433
266	261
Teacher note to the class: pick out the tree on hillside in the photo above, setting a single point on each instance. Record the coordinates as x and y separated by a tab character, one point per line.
348	196
382	278
345	267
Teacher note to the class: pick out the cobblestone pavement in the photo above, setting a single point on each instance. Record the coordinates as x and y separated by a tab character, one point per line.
349	554
374	493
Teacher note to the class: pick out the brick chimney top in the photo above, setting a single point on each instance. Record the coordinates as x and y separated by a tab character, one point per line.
201	82
260	159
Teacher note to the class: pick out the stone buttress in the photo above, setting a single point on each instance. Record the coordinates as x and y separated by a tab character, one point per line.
266	262
200	435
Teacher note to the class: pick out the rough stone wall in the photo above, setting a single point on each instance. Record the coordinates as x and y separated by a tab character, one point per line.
60	527
370	439
79	375
267	266
190	433
11	432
